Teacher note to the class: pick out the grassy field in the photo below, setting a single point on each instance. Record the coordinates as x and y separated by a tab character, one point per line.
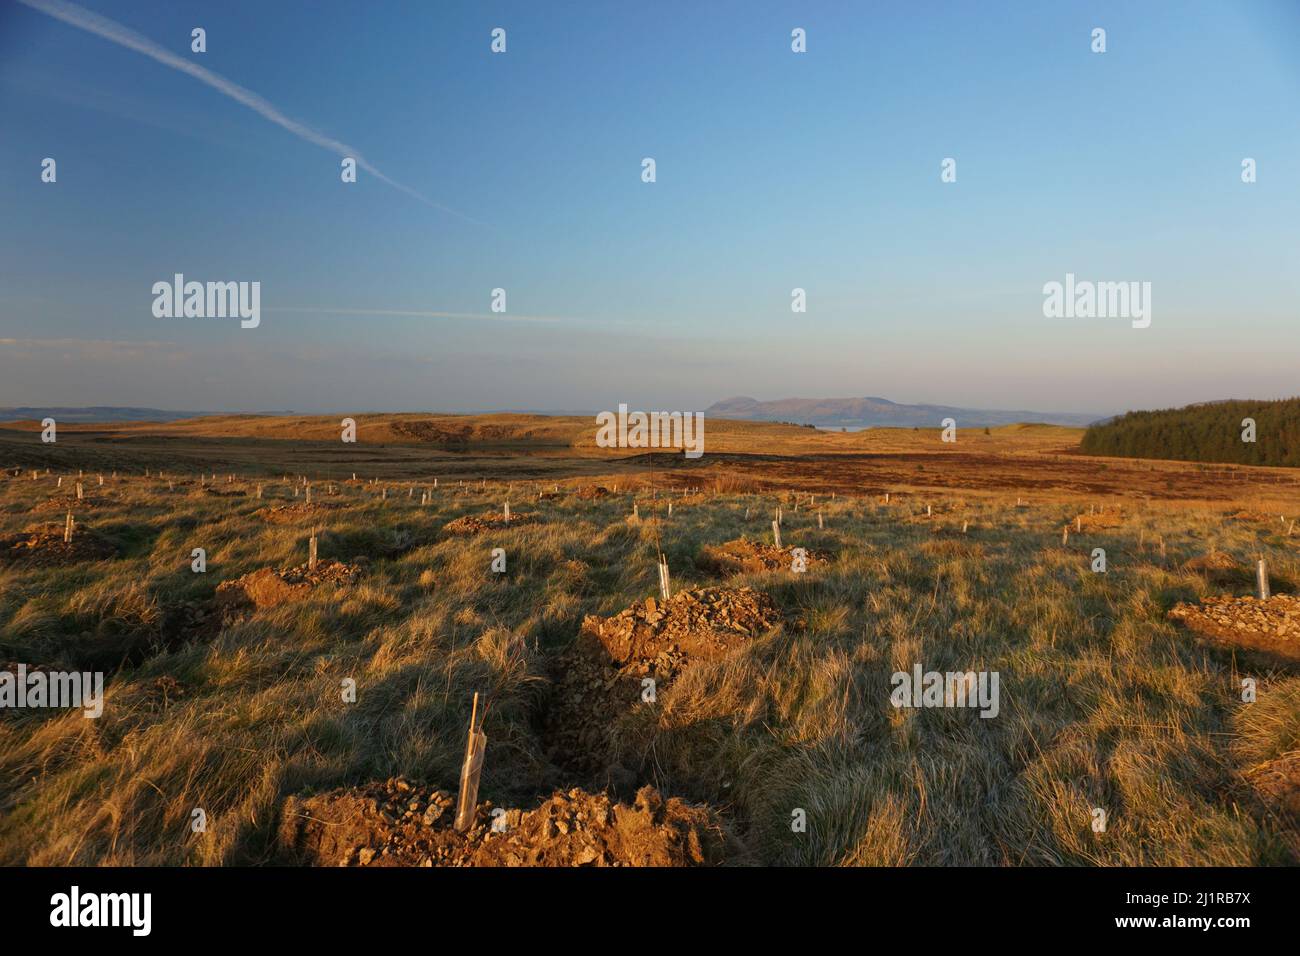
1105	703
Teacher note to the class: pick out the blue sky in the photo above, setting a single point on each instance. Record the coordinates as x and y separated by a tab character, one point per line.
775	170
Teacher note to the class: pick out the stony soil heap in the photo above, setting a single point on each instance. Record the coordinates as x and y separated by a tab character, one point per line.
599	678
593	492
288	514
700	623
1247	622
743	556
398	823
267	587
489	521
45	547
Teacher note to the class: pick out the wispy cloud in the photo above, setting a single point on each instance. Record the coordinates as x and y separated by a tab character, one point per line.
115	32
422	314
92	350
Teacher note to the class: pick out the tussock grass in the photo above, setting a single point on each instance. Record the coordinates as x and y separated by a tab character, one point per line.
1104	703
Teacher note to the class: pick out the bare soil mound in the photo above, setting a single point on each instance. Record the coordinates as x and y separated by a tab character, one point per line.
1219	568
62	504
488	521
751	557
700	623
397	823
231	493
44	547
599	678
268	588
1247	623
593	492
1251	516
1097	522
301	511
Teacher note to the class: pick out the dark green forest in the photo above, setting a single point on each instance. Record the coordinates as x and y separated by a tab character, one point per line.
1210	432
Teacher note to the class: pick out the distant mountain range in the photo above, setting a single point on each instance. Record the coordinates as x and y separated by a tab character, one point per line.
881	412
93	413
822	412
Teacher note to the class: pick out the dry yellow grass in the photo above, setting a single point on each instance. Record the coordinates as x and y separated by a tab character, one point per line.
1105	703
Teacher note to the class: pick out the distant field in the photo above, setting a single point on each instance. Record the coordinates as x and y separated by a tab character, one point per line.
1029	460
773	686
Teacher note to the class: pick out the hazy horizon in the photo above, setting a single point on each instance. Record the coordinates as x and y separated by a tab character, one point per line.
522	170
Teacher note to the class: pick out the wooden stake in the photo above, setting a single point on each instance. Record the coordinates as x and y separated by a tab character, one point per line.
776	532
470	771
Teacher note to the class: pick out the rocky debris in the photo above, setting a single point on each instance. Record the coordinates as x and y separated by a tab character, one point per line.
1272	626
743	556
191	620
45	547
699	623
488	521
599	678
288	514
268	588
593	492
399	823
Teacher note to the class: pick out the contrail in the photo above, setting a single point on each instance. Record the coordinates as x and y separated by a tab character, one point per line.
91	22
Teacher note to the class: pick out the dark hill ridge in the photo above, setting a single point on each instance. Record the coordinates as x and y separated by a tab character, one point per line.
91	414
872	412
